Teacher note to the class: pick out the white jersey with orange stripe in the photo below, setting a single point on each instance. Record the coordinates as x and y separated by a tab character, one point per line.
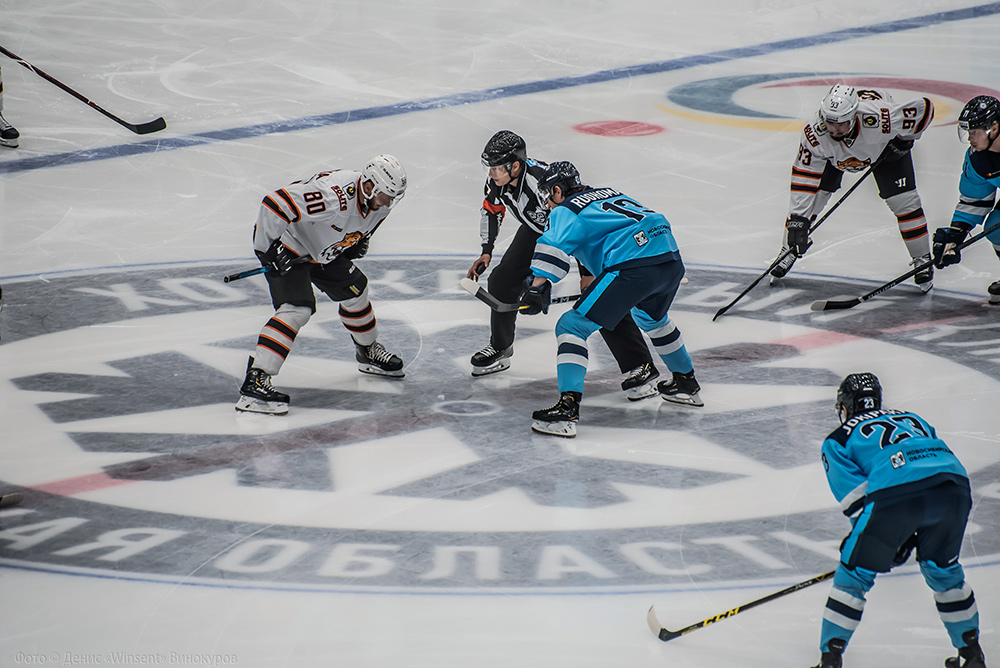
879	120
320	216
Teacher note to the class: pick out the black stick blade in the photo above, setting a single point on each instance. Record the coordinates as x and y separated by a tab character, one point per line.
833	305
147	128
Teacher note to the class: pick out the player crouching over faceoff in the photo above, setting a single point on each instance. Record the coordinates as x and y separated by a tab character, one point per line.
902	488
979	125
632	254
308	233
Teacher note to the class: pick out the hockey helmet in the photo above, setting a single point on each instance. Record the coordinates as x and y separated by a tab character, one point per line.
859	392
388	175
563	174
840	105
981	111
504	148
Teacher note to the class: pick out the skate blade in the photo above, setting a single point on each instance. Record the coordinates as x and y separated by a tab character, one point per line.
925	287
684	399
641	392
9	143
12	499
375	371
252	405
497	367
565	429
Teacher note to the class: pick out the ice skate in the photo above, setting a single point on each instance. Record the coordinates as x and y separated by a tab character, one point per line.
490	360
560	419
11	499
784	266
994	292
258	396
924	279
833	658
9	135
378	361
681	389
970	656
639	382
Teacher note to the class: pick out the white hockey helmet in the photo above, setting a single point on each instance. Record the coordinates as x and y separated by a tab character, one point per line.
840	105
388	175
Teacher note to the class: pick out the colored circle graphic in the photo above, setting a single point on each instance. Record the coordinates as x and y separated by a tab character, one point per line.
619	128
714	100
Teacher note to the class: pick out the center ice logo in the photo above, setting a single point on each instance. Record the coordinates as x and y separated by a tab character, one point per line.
141	466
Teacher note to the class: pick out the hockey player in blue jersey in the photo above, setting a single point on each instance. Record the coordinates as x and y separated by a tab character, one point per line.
632	253
902	488
979	125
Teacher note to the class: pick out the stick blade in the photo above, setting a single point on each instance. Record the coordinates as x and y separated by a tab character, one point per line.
653	622
833	305
147	128
470	286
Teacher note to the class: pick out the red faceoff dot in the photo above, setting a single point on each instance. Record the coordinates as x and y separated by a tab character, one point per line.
618	128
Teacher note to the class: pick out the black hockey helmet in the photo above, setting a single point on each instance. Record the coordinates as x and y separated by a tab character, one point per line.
563	174
504	148
859	392
980	112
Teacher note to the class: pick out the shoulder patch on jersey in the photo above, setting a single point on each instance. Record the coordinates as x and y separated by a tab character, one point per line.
640	238
869	121
986	163
350	190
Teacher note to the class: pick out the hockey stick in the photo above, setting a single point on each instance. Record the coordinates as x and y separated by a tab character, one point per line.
783	255
261	270
834	305
140	129
480	293
665	634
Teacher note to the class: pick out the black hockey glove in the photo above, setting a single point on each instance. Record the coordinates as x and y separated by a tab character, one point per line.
535	300
358	250
895	149
945	247
903	553
798	234
278	258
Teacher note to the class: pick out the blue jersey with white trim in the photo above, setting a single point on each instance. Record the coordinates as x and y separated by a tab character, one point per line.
977	187
880	450
603	229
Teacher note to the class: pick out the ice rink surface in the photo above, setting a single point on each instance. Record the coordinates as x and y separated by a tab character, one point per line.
420	522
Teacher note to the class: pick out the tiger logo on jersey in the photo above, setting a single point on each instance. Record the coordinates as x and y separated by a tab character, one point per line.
852	164
332	251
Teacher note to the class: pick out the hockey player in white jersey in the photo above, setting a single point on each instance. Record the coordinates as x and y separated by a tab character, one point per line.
308	233
9	135
853	130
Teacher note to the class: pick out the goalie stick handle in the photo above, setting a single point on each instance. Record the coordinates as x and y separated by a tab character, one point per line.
665	634
783	255
141	129
833	305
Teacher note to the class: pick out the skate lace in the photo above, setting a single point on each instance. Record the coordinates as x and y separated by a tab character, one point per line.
378	353
636	373
4	125
263	380
488	351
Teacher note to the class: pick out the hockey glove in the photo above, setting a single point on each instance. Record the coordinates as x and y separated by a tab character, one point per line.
358	250
278	258
945	247
903	553
895	149
798	234
535	300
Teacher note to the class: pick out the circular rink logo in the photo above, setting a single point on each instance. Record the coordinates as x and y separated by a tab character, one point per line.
118	392
764	101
